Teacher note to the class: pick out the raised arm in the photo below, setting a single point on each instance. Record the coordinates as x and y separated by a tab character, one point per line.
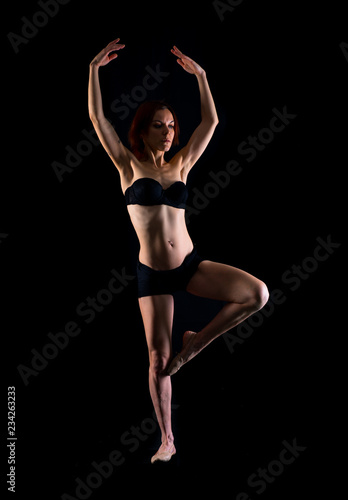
209	118
106	132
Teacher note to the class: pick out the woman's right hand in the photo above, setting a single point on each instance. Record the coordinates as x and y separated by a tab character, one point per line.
108	54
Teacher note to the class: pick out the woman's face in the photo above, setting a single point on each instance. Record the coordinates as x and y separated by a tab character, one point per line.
160	134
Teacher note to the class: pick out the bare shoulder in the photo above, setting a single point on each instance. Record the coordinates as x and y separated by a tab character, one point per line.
177	166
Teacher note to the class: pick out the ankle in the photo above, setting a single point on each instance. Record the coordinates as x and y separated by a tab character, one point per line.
168	440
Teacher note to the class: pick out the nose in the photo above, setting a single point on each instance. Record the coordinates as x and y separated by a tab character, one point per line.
166	130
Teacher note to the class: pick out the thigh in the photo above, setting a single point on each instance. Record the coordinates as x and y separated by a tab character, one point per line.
217	281
157	312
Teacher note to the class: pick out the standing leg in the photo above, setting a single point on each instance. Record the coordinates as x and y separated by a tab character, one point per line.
157	313
243	293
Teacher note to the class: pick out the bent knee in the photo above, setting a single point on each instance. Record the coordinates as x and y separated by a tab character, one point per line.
260	295
158	362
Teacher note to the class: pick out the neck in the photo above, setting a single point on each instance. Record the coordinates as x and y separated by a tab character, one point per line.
156	158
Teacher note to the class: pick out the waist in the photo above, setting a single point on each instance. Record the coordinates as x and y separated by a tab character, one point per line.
166	253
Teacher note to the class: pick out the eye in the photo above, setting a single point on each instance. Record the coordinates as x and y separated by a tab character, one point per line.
157	125
171	126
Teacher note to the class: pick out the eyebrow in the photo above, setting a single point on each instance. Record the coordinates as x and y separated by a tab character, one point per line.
163	122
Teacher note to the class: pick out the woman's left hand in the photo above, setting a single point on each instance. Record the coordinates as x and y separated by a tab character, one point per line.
188	64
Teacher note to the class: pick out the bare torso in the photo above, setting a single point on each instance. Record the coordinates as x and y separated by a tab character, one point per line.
161	229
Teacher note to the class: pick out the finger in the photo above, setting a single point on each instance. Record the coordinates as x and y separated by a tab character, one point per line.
179	61
176	51
112	53
115	47
113	42
182	56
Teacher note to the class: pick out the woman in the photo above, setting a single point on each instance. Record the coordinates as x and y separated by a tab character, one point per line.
155	192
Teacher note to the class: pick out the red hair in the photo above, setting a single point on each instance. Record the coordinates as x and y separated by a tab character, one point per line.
141	122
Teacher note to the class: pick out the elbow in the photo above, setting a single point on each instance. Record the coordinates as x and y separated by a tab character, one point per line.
92	113
96	115
215	118
211	121
215	121
95	119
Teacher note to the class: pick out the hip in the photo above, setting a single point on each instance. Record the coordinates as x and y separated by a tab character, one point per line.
169	281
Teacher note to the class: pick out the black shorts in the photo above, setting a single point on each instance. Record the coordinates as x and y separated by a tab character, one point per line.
152	282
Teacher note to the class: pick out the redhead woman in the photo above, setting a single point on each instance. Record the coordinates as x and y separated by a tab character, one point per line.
155	193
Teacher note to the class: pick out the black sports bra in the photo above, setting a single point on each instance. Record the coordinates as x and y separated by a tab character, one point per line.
147	191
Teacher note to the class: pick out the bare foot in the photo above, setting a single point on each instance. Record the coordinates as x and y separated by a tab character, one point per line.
189	351
164	454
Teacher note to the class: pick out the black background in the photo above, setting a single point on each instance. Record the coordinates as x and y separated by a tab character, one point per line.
61	238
